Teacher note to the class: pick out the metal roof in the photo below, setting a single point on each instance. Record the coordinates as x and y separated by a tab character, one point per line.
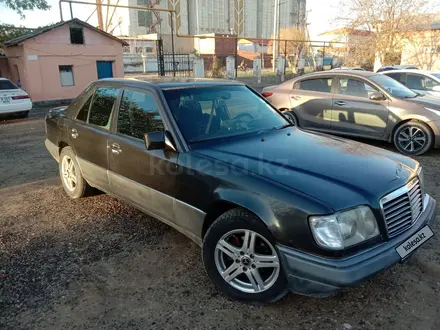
19	40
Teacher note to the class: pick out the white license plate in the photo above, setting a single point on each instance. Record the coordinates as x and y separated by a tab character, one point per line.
414	242
5	99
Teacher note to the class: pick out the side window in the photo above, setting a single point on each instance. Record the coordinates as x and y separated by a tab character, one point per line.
414	81
354	87
323	85
83	113
396	76
138	114
102	106
430	83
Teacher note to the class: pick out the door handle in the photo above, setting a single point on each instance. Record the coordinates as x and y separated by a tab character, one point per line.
74	133
296	97
340	103
115	148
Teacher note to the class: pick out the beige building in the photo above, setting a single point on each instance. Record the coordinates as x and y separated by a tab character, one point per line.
422	48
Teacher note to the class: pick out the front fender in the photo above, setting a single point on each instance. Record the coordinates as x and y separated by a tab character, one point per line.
252	202
285	212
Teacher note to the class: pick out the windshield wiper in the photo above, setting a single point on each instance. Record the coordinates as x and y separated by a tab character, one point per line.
274	128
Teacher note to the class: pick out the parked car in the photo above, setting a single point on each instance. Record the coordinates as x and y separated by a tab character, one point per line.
423	82
13	99
396	67
362	104
274	208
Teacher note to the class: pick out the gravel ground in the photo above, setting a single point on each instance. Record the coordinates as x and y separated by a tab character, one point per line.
99	263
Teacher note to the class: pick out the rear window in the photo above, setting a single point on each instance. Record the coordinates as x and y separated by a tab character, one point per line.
6	84
323	85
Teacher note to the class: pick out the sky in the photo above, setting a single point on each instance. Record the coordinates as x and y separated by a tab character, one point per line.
319	15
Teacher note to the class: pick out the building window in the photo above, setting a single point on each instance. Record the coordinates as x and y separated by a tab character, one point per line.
66	75
145	18
76	35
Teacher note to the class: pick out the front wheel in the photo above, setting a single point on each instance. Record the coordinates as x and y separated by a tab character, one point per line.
413	138
240	257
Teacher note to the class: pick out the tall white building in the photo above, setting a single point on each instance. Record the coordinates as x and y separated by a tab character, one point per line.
247	18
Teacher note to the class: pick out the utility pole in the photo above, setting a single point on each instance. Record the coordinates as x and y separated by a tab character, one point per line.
274	41
99	12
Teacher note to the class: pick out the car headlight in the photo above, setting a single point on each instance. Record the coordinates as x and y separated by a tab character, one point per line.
343	229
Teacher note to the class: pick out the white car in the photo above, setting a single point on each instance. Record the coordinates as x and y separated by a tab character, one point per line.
423	82
13	99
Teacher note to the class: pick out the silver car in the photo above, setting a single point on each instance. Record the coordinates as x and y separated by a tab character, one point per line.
423	82
362	104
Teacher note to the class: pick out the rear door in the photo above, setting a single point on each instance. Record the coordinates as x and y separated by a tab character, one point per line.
89	133
144	177
311	101
354	113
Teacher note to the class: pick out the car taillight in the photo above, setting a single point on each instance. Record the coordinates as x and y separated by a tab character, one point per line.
20	97
267	94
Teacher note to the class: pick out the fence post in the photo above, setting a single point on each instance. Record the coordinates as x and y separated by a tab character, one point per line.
172	42
160	58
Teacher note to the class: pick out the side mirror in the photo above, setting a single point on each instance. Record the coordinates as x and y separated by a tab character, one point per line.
436	88
159	140
376	96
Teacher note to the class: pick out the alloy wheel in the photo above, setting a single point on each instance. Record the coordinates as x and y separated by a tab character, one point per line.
412	139
68	171
247	261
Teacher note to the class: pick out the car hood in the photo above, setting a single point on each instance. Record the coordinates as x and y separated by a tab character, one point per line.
338	172
426	101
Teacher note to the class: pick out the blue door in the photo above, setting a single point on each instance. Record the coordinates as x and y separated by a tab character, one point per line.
104	69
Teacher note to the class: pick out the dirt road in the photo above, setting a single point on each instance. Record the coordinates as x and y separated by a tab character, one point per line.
99	263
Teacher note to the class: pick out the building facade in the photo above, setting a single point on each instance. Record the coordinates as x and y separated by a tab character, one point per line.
247	18
59	61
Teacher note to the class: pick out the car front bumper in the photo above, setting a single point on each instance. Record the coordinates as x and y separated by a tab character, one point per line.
318	276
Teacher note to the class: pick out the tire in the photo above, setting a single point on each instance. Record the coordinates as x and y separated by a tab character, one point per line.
291	117
80	187
413	138
231	227
24	114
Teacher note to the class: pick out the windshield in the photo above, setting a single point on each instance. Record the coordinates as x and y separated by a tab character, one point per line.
212	112
436	74
393	87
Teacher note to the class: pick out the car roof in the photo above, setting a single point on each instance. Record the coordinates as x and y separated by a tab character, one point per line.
425	72
170	82
1	78
339	72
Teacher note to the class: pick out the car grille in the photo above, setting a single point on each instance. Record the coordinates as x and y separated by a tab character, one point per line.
402	207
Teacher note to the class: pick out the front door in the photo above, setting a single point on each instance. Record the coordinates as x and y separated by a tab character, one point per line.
89	133
144	177
311	101
421	84
105	69
354	113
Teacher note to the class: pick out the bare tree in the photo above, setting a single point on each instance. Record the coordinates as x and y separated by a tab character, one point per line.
392	21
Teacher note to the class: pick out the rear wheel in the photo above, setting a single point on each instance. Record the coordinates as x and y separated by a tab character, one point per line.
240	257
24	114
413	138
73	182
